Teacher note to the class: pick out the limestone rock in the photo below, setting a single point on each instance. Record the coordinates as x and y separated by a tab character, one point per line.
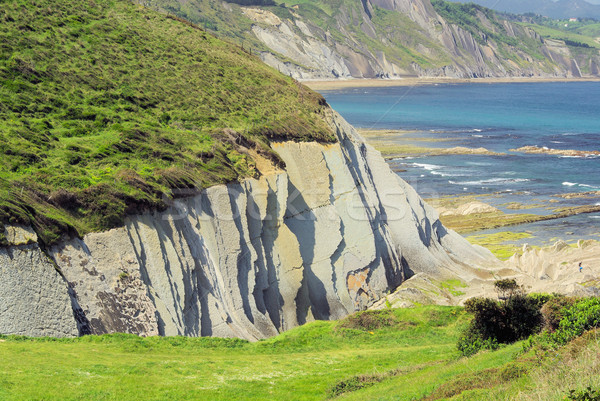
20	235
330	235
34	299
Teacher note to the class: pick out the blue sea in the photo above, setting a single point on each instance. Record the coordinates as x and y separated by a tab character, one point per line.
498	117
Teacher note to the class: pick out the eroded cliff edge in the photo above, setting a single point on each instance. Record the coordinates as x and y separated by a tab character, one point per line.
329	235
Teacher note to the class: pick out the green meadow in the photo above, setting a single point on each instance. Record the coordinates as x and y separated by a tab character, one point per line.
393	354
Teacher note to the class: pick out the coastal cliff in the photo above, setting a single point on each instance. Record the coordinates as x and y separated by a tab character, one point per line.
329	235
333	39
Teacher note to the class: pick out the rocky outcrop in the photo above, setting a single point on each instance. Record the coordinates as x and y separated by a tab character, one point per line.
328	236
34	298
555	268
466	209
557	152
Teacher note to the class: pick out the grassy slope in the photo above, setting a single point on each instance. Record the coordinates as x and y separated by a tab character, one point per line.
589	28
225	22
301	364
414	358
106	108
558	34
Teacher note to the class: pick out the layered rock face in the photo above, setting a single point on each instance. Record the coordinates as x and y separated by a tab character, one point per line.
328	236
448	49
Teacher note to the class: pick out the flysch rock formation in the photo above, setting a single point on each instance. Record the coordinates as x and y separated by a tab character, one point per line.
551	269
555	268
316	54
330	235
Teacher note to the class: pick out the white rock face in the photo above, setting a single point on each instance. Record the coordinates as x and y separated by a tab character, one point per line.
34	299
328	236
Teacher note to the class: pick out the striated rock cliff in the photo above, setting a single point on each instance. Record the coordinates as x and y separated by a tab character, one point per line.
329	235
387	39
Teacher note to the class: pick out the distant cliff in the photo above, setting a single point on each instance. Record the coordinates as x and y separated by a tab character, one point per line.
386	39
331	234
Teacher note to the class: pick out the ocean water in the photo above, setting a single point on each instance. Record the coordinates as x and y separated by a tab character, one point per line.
499	117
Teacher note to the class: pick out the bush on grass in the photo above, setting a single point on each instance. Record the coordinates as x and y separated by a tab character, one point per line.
497	323
576	317
553	311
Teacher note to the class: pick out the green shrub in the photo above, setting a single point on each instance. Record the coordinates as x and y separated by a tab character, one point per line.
553	311
507	288
588	394
541	298
471	342
499	322
582	316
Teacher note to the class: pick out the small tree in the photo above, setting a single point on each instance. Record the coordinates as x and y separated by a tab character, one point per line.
508	288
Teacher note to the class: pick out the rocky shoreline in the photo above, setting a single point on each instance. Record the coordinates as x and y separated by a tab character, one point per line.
556	152
337	84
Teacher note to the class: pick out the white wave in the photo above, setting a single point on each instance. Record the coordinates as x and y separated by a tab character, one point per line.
428	167
479	164
477	136
494	181
450	173
586	186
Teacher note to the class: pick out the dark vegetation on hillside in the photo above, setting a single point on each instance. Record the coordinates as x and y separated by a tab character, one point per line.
253	2
108	108
518	316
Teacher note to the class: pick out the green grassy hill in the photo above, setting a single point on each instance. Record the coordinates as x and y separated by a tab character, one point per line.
399	354
107	107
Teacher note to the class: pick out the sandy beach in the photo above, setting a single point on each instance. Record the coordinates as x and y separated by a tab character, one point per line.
414	81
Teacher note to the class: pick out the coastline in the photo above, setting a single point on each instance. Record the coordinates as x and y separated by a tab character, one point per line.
492	220
336	84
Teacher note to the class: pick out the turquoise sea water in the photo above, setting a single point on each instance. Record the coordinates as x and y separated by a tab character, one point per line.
498	117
